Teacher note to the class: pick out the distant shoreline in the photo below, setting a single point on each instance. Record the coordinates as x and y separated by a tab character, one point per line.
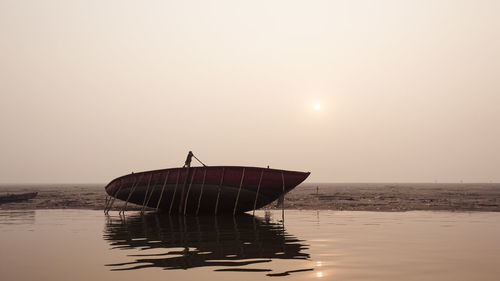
386	197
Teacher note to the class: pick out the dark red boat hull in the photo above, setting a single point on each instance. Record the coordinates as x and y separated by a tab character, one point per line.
202	189
17	197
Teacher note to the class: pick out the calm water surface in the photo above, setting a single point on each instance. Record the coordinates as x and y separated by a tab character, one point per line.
324	245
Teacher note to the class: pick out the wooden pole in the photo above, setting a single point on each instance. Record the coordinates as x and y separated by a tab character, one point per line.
175	190
239	190
151	193
146	194
162	190
283	198
183	188
257	193
108	208
201	191
218	191
189	189
134	185
106	202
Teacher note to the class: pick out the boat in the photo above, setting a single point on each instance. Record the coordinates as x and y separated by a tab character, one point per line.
204	189
7	198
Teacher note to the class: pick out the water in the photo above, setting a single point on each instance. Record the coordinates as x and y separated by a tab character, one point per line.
326	245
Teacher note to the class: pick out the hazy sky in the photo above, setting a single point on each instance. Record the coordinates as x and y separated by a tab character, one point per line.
409	90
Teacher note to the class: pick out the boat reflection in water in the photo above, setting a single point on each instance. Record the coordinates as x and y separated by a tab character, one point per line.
181	242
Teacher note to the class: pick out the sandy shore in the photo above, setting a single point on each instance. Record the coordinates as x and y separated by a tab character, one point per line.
396	197
308	196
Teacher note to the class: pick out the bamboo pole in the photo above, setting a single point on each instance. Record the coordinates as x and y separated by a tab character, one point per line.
146	194
218	191
151	193
189	189
106	202
183	189
108	208
134	185
201	191
257	193
283	200
239	190
162	189
175	190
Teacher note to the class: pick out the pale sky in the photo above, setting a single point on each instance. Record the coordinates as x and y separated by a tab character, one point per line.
409	91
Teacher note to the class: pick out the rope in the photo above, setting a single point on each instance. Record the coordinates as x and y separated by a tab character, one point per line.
199	161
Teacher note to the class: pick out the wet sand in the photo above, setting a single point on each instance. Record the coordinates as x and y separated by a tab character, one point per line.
308	196
396	197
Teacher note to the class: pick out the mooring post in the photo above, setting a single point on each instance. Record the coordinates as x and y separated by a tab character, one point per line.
146	194
218	191
162	189
257	194
201	191
151	193
106	201
112	200
134	185
239	190
175	190
181	203
283	200
189	189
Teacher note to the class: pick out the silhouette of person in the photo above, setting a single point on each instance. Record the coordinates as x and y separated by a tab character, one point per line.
188	159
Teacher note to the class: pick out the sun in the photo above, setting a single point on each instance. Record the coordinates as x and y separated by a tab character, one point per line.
317	106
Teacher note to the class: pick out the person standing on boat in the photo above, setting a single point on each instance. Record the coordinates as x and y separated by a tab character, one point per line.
188	159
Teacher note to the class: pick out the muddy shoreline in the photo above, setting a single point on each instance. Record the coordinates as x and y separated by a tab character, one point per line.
308	196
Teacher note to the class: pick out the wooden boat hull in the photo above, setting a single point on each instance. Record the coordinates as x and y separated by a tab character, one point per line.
205	190
17	197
